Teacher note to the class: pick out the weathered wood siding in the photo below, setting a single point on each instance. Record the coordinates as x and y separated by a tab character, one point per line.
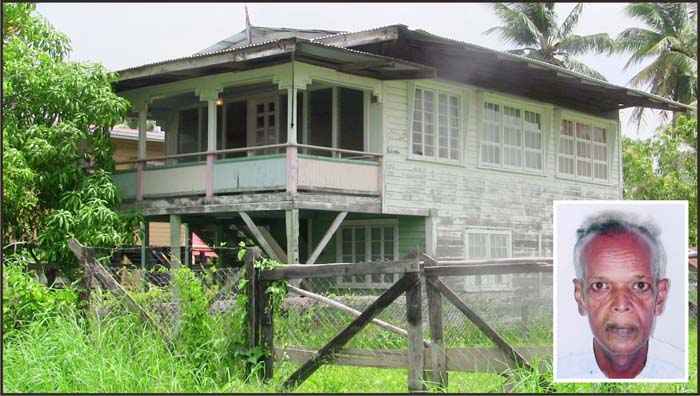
466	195
250	174
338	174
180	179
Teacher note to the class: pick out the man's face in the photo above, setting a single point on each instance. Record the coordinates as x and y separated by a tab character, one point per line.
619	294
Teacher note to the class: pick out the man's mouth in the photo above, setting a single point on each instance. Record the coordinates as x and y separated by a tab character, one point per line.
624	330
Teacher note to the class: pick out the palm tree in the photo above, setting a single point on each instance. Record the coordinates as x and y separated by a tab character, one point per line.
534	27
671	40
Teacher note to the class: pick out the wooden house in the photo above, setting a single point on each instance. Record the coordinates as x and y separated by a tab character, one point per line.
364	146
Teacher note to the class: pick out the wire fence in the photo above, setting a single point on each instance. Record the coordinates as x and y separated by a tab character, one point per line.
517	306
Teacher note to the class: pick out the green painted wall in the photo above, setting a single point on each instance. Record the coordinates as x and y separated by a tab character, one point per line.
411	232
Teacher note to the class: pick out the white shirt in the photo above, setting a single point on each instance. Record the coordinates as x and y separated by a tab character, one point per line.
664	361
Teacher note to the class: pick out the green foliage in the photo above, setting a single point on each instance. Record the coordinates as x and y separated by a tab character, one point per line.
198	338
24	298
534	28
56	117
670	40
239	350
665	168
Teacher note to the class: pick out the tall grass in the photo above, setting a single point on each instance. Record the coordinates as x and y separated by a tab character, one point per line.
66	354
117	354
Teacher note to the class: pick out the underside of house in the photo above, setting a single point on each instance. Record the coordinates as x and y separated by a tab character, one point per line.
330	146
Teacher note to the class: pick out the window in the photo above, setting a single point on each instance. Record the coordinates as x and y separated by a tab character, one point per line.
511	137
368	242
435	128
487	244
583	151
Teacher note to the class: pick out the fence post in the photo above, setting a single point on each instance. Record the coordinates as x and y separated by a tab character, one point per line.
86	255
266	337
415	337
252	307
438	374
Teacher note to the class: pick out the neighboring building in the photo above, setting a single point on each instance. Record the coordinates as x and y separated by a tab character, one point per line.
125	142
425	142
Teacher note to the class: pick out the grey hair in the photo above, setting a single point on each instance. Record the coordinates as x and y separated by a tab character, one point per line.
610	222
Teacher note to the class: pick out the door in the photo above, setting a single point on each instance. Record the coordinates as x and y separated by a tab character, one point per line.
262	123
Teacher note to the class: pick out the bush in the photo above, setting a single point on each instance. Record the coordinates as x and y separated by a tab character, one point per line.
24	298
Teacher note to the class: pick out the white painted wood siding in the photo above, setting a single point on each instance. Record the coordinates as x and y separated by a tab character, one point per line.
467	195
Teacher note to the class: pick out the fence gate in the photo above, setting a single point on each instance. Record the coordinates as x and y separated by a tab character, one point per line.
445	277
405	276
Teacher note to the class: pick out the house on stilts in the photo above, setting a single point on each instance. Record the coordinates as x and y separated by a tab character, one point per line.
329	146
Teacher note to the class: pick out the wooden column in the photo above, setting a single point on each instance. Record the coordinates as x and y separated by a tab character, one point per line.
292	217
335	118
211	146
438	374
175	235
415	337
292	159
143	114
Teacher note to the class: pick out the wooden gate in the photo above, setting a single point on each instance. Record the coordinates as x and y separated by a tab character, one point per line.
444	359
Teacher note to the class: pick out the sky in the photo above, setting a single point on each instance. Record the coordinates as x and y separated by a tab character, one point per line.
123	35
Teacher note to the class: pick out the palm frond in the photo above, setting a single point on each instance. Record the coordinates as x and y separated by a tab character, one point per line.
597	43
579	67
570	22
518	28
647	13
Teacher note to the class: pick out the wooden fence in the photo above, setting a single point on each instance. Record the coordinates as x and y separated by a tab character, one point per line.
426	360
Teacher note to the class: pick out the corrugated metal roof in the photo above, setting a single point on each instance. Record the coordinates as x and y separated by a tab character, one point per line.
262	34
556	68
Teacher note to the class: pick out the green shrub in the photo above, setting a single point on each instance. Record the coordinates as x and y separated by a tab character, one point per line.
24	298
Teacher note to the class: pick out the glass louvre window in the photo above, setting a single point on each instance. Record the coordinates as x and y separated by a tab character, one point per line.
491	134
511	137
566	148
435	130
483	245
600	154
583	150
364	243
532	140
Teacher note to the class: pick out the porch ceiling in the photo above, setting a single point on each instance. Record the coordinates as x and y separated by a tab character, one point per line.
270	53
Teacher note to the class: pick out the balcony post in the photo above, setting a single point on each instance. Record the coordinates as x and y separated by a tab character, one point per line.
143	114
175	236
211	146
292	160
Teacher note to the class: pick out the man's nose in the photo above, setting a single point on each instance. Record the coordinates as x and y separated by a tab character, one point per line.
620	300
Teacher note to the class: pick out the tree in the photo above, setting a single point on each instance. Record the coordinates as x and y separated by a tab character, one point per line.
665	167
56	117
534	27
671	40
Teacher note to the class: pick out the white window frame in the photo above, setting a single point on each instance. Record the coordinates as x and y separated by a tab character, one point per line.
523	107
368	283
610	133
490	280
437	90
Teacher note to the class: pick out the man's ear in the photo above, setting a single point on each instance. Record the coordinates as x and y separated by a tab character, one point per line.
663	287
578	295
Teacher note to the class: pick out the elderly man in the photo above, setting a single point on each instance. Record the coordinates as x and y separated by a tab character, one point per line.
620	285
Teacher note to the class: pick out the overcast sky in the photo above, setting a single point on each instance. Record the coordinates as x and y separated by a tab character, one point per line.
122	35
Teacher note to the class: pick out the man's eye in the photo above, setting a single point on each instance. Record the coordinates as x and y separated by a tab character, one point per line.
598	286
640	286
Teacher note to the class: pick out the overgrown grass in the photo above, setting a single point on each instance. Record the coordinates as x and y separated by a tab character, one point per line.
119	354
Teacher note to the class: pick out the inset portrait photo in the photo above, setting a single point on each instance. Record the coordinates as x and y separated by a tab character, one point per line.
620	291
